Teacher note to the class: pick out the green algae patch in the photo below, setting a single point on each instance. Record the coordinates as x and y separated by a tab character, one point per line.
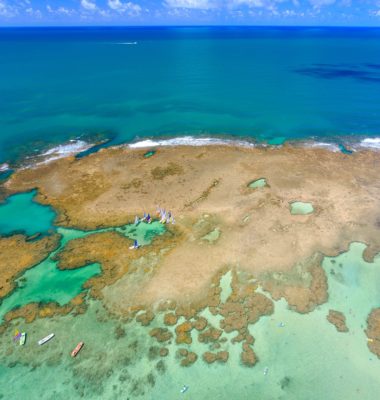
258	183
212	236
20	213
301	208
149	153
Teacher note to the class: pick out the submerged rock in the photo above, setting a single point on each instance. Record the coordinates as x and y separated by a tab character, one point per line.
164	352
161	334
248	357
220	356
338	319
183	333
190	359
373	331
170	319
200	323
145	318
210	335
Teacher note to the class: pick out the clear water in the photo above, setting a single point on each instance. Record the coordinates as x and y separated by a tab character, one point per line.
46	283
143	232
301	208
258	183
268	83
21	214
305	356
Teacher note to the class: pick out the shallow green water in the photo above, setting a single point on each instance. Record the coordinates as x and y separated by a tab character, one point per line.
22	213
212	236
258	183
306	358
301	208
143	232
45	282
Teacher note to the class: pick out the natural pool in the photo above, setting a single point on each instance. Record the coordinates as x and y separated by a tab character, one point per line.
301	208
149	153
258	183
20	213
46	283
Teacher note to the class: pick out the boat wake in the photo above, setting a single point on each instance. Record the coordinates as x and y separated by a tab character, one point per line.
127	43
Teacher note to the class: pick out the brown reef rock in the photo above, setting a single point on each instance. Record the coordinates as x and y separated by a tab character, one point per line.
170	319
221	356
338	319
304	287
248	356
373	331
145	318
161	334
17	254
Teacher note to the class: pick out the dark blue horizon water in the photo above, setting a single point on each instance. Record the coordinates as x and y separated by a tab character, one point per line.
257	82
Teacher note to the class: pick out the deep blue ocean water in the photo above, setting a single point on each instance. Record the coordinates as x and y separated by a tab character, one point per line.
268	83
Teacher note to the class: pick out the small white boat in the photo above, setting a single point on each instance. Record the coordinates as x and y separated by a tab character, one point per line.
22	339
46	339
184	389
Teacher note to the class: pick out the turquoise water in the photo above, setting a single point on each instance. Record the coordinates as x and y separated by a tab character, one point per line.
21	213
258	183
306	358
301	208
268	83
45	282
143	232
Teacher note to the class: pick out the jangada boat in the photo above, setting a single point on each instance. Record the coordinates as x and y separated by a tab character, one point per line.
77	349
22	339
46	339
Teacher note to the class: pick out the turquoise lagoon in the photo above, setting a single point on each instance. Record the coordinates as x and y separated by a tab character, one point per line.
21	213
45	282
301	208
258	183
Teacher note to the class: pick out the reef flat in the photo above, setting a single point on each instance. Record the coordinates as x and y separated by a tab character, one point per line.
200	289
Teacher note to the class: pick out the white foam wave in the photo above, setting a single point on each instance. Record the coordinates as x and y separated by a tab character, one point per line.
4	167
370	143
63	150
189	141
323	145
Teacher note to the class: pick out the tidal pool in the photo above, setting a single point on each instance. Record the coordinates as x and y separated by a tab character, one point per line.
142	232
149	153
258	183
20	213
301	208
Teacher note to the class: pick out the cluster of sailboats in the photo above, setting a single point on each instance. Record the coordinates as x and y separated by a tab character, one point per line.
21	338
165	217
